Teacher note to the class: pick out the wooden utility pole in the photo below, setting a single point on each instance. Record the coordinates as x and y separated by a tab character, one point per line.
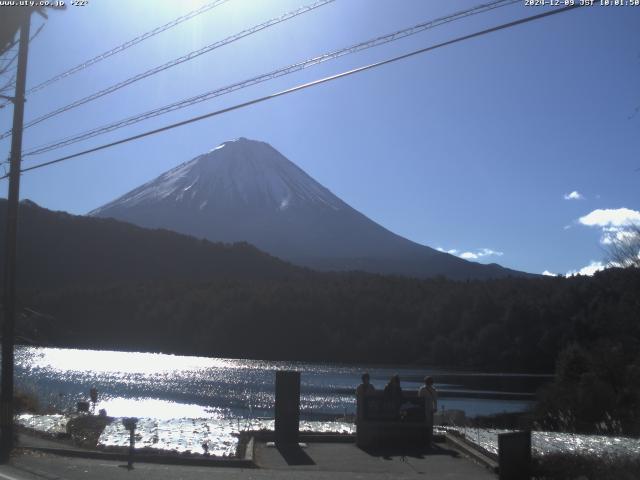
11	244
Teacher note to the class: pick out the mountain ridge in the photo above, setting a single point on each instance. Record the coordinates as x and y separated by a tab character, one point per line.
58	249
245	190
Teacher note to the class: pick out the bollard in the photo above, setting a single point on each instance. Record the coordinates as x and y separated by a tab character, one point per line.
287	423
130	424
93	394
514	455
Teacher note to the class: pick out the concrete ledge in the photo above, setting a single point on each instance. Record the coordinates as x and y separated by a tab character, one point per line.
471	451
168	459
269	436
249	451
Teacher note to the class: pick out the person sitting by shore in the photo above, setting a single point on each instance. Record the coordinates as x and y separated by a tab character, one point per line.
393	395
430	406
362	390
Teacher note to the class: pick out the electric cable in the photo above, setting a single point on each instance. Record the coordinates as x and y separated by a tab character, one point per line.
122	46
127	44
265	77
172	63
305	86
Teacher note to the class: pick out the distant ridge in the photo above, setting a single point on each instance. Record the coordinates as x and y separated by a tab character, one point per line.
57	250
245	190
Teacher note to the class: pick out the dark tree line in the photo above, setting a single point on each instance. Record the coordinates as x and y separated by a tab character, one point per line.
501	325
99	283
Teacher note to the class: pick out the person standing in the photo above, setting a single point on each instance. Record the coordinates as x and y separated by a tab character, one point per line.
430	406
362	390
393	395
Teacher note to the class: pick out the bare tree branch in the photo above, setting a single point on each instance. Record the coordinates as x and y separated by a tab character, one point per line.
625	251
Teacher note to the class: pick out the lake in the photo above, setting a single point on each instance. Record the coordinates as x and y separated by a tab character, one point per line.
185	401
169	386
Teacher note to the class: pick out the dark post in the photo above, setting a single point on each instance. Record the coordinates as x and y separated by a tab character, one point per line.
6	395
132	446
130	424
514	455
93	394
287	407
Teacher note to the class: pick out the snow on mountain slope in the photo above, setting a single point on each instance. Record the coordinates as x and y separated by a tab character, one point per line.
245	190
238	170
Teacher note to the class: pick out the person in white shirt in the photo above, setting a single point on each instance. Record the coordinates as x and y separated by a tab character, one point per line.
430	406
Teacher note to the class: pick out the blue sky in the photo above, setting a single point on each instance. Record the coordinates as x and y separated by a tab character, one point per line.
474	148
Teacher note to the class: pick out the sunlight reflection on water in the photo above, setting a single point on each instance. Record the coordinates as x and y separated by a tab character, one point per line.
148	384
184	402
181	434
191	434
155	408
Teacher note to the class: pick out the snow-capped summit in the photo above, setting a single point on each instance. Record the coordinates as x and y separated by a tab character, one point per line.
245	190
239	171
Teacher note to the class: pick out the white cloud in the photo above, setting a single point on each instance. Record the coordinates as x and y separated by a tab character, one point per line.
487	251
547	273
610	217
614	222
575	195
589	270
483	252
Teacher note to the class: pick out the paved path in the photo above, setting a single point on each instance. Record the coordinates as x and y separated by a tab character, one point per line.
319	461
338	459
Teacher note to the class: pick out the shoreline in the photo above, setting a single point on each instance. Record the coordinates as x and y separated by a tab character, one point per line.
84	431
451	371
552	465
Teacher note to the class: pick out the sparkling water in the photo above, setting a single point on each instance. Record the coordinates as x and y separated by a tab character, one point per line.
194	404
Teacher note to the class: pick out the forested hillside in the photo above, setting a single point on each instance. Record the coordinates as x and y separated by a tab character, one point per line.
108	284
503	325
58	249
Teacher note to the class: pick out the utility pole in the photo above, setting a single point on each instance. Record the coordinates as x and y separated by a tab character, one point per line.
9	301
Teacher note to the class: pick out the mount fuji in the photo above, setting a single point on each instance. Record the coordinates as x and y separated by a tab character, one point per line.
245	190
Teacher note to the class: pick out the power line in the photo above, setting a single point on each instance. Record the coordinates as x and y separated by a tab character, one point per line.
40	28
173	63
4	70
304	86
123	46
9	62
127	44
268	76
9	46
14	44
8	85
